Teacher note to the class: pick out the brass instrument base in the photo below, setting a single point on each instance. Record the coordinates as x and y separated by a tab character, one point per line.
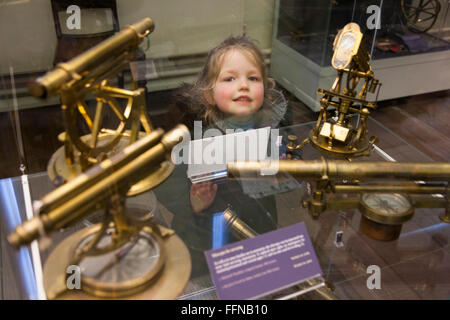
57	168
169	284
445	217
379	231
339	149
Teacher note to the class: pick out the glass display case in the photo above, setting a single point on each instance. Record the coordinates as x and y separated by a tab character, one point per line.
414	266
405	39
84	123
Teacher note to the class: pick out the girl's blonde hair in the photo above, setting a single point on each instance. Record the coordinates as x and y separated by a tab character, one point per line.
208	76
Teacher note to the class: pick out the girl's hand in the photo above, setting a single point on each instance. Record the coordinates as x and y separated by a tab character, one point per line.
202	195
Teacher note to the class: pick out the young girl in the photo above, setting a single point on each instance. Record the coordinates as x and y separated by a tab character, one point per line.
233	90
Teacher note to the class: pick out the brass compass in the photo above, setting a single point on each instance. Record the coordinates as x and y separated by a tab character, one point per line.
151	266
383	214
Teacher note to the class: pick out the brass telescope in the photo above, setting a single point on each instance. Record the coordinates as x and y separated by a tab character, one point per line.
341	169
122	43
90	191
153	263
384	205
85	77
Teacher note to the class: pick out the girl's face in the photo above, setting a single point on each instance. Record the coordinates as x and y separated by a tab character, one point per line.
239	88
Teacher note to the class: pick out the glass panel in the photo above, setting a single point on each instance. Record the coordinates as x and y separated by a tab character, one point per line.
296	39
94	21
310	27
411	27
423	239
304	26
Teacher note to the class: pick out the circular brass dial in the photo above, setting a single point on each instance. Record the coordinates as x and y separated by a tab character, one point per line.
164	281
386	208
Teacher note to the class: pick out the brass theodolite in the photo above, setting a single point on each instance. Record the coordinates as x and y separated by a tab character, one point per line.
125	254
385	206
337	135
88	75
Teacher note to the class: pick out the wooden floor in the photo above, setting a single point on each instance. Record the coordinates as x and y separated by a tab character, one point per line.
423	121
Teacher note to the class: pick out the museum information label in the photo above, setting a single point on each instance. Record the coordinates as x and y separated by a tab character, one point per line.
259	266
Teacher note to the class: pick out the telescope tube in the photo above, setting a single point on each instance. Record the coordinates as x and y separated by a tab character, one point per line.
129	37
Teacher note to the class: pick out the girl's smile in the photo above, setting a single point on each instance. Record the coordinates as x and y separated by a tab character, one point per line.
243	99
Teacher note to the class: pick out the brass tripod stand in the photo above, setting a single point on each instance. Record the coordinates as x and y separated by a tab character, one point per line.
334	133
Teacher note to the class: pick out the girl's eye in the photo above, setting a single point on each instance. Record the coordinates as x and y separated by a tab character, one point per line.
228	79
253	78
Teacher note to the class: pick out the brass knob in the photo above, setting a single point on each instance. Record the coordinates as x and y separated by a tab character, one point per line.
292	142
